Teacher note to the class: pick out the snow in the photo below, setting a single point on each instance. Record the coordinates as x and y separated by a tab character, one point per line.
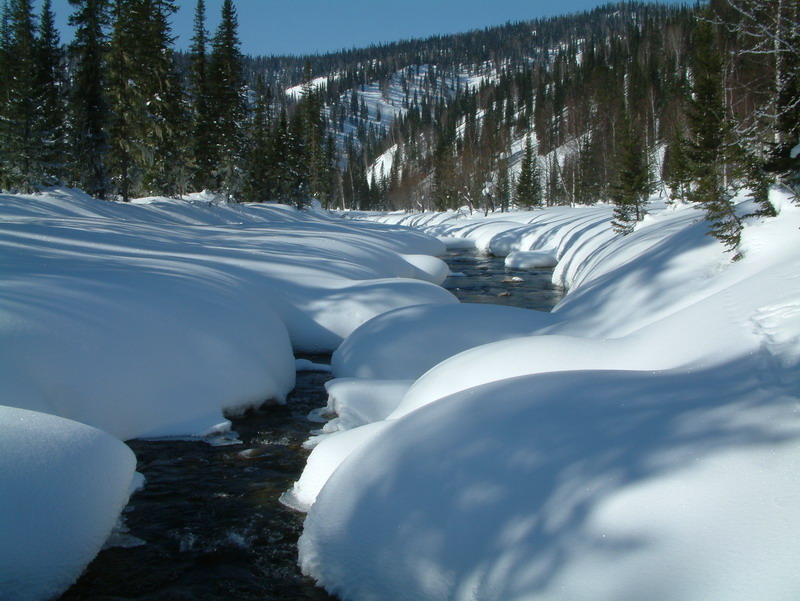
63	487
160	318
639	442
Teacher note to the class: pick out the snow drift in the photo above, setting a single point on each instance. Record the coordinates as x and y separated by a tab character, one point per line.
155	319
639	442
63	487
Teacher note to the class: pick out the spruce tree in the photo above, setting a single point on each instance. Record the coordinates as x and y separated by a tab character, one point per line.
710	149
227	101
528	192
145	100
21	145
203	150
632	188
257	184
89	103
51	85
5	91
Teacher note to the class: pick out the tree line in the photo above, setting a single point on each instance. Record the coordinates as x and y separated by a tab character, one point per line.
609	104
114	114
698	102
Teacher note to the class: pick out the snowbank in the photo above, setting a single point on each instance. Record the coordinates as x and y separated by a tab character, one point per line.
640	442
153	319
63	486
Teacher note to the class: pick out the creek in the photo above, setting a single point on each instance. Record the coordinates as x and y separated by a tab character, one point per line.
208	525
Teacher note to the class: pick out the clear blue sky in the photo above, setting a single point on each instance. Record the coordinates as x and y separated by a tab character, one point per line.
309	26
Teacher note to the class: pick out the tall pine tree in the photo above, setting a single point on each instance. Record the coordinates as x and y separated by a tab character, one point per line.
710	150
632	188
528	193
51	85
22	168
89	103
227	101
203	150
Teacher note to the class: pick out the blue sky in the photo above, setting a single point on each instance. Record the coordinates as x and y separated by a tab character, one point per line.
308	26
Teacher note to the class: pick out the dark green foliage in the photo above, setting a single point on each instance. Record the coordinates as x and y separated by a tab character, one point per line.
528	193
258	180
201	144
21	158
228	110
632	187
711	152
147	116
51	125
88	102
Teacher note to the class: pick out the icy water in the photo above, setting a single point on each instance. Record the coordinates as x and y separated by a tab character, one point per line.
209	522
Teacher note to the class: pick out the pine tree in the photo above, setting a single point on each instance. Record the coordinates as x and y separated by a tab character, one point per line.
676	170
51	85
21	146
257	185
632	188
227	102
203	150
5	92
528	192
710	150
311	130
89	103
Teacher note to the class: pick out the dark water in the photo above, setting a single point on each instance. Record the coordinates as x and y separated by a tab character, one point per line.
486	280
209	516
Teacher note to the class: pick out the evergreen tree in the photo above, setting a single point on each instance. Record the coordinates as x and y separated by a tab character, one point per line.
145	100
311	129
676	170
227	102
710	151
22	168
89	103
258	180
528	193
632	188
203	150
51	85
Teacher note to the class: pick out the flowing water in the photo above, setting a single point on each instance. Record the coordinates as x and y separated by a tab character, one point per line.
208	525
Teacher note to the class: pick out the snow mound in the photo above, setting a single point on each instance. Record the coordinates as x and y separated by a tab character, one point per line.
407	342
531	259
157	317
640	442
609	486
63	487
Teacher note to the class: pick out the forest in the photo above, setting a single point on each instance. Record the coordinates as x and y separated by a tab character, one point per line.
615	104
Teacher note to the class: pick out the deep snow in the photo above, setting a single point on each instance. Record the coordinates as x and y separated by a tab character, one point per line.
641	441
150	320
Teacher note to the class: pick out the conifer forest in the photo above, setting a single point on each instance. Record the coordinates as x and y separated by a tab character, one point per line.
695	102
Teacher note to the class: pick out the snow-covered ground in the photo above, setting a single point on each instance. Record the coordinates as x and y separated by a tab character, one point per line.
150	320
642	441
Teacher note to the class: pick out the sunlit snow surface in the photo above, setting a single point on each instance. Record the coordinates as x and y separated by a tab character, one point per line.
62	486
151	319
640	442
